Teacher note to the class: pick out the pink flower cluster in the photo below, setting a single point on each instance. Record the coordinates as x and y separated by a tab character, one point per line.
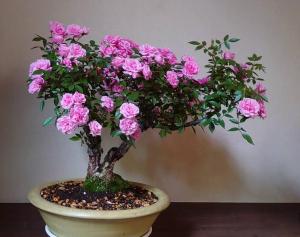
95	128
38	82
139	60
78	114
190	67
70	54
129	124
116	46
59	32
172	78
252	108
107	103
159	55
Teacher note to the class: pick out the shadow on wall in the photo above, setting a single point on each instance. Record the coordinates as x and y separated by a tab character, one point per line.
188	162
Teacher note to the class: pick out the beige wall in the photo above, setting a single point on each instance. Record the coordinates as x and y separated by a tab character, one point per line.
213	168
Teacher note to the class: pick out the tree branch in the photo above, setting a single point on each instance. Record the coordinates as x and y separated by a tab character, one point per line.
116	153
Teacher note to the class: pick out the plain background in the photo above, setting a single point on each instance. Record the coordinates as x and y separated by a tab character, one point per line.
203	167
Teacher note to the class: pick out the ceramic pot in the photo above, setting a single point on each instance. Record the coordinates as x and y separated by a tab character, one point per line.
72	222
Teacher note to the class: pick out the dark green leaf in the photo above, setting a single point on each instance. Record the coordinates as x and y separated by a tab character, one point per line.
194	42
211	127
232	40
248	138
116	133
233	129
227	45
42	105
234	121
222	123
76	137
47	121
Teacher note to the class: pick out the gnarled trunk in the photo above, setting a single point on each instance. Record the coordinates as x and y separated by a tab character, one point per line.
103	168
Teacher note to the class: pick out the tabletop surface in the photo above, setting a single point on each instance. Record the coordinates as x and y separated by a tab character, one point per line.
182	220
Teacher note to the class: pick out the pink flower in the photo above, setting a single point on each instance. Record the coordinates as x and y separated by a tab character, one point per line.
63	50
108	103
79	98
79	115
129	110
106	51
70	54
147	72
40	64
248	107
203	81
260	89
262	110
76	51
58	39
67	101
67	62
147	50
137	134
117	88
168	55
172	78
117	62
95	128
65	125
228	55
74	30
190	67
132	67
57	28
36	85
128	126
243	66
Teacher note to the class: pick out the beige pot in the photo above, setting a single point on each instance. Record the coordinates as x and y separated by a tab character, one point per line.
72	222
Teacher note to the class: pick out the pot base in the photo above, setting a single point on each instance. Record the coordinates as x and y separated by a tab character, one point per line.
52	235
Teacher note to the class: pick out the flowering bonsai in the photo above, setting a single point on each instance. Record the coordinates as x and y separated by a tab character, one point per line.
129	88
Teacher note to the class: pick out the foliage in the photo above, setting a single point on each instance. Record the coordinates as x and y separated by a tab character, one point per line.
129	88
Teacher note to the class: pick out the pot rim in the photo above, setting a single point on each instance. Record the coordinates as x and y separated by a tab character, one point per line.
35	198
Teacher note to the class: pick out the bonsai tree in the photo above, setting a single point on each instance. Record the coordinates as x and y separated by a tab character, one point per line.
129	88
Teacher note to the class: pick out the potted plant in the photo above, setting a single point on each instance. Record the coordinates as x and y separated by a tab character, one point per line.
127	89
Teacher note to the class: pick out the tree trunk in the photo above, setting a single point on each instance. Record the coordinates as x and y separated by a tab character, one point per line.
104	169
94	162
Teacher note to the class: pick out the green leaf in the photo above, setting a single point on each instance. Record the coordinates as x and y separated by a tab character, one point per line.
118	115
194	42
205	122
133	95
76	137
79	88
232	40
199	47
116	133
211	127
248	138
228	115
226	38
227	45
238	95
234	121
222	123
233	129
47	121
42	105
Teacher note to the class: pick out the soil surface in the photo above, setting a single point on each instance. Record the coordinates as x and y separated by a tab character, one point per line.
72	194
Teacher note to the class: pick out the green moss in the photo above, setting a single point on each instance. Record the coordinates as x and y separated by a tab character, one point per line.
100	185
